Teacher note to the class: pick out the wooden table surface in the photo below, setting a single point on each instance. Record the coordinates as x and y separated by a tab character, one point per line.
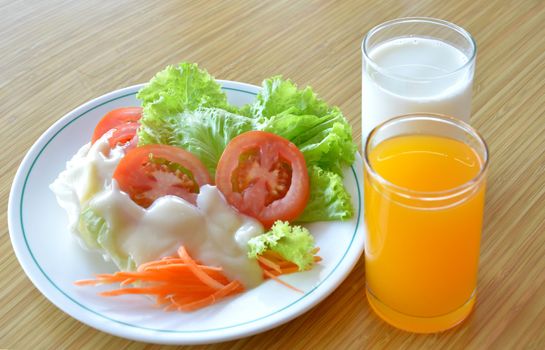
55	55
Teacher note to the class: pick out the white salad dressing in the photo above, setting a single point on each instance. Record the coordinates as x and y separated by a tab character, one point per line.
213	232
89	171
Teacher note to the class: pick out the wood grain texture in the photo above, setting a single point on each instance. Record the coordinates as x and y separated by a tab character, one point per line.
55	55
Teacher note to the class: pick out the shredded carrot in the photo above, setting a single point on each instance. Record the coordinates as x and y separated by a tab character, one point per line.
86	283
274	255
128	281
286	270
179	282
162	290
170	262
232	288
272	276
272	261
269	263
198	272
273	265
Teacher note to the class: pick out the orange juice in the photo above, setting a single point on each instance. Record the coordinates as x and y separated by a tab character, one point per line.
423	219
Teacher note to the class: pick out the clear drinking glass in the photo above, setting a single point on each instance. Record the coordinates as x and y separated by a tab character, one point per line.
424	179
414	65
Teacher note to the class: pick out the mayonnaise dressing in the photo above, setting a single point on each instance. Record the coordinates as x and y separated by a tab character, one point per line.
212	231
89	171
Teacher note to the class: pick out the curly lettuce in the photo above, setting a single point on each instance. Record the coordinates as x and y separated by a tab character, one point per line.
174	90
328	200
325	141
278	95
293	243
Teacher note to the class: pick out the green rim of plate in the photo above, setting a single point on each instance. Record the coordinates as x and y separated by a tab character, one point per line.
148	328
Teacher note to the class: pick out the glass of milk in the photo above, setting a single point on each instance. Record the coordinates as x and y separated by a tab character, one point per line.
415	65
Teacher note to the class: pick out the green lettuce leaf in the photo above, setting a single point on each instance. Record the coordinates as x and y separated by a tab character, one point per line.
204	132
325	141
328	199
294	243
174	90
90	226
182	87
278	95
96	234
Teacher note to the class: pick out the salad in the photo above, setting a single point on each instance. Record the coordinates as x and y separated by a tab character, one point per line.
194	199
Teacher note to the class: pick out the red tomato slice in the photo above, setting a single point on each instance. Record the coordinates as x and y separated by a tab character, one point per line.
125	121
125	134
264	176
152	171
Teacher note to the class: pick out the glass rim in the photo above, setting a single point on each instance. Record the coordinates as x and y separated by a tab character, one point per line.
429	195
436	21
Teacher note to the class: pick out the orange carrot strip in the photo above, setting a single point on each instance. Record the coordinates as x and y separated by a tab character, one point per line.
143	266
272	276
159	290
178	263
212	271
286	264
87	282
269	263
178	300
162	262
162	276
169	279
233	287
122	276
127	281
122	291
165	271
273	258
161	300
105	275
171	307
271	272
203	276
287	270
108	280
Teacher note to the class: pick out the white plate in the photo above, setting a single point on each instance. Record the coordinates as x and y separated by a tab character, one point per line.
53	260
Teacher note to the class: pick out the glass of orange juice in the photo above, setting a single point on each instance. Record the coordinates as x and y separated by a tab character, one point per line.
424	196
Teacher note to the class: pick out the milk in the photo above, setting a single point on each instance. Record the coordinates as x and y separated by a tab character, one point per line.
415	74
